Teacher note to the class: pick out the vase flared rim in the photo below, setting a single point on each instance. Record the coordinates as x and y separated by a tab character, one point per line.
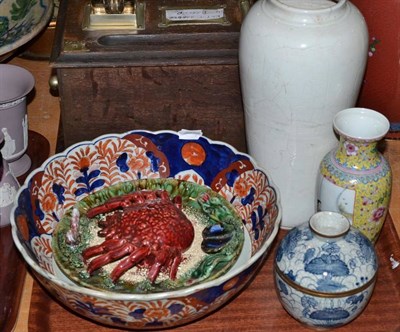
25	89
361	124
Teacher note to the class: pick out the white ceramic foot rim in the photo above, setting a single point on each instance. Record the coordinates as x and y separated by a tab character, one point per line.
329	224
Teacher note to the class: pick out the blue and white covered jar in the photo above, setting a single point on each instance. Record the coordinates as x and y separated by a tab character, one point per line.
325	271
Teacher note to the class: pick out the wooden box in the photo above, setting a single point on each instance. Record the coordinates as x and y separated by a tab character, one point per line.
168	75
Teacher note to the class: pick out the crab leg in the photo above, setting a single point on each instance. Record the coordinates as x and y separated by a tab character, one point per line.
110	256
125	201
129	262
102	248
165	257
104	208
162	257
174	266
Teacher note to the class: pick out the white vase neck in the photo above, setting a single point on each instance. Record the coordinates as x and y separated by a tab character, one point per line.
308	12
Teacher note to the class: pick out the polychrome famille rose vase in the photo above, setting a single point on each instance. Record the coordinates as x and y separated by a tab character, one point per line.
300	63
355	179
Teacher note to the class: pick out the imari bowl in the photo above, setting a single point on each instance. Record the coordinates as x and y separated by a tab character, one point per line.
85	169
21	21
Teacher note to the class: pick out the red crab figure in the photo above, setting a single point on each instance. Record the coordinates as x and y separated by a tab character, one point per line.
147	228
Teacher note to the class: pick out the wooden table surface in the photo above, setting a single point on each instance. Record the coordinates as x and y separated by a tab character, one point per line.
44	115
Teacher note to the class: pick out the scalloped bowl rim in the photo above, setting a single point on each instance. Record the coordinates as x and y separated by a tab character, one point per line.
151	296
44	20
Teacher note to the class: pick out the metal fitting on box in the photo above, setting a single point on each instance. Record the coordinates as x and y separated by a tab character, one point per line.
114	14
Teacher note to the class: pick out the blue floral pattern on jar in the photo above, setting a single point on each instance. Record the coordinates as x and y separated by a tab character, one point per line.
319	311
325	281
327	266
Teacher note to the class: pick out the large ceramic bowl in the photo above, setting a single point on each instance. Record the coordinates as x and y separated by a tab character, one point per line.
21	21
88	167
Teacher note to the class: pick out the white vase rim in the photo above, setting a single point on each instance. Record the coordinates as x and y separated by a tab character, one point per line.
283	5
306	13
23	74
361	124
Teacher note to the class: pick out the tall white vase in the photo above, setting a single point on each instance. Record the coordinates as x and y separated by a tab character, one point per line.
301	62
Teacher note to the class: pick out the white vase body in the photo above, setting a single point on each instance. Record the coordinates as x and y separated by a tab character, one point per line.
300	63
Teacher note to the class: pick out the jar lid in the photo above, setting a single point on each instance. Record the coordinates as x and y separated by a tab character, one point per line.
327	255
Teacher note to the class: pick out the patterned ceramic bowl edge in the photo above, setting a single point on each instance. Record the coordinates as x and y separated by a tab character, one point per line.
22	30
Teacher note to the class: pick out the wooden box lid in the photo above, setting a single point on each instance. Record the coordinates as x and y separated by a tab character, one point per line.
158	44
